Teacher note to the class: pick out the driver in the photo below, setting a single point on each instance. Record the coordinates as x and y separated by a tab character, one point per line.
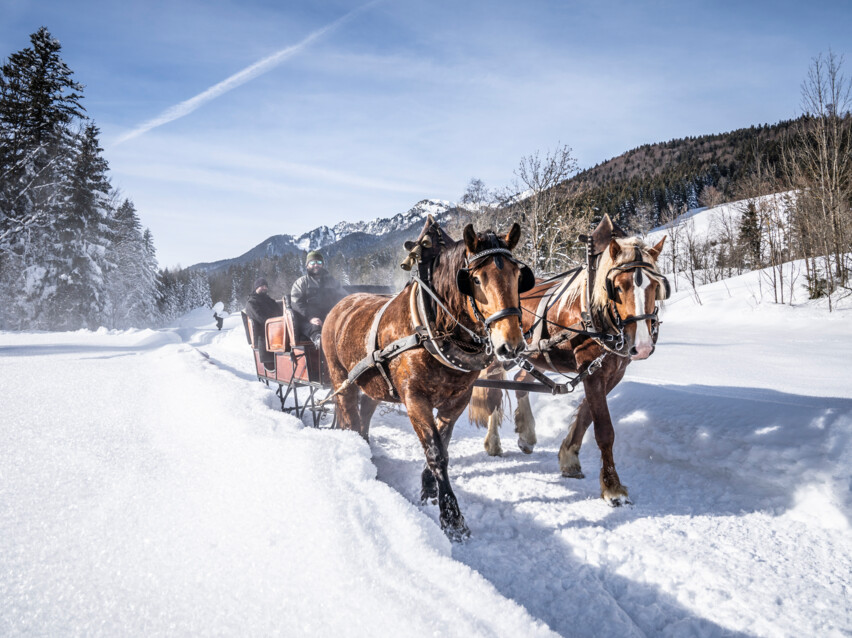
313	295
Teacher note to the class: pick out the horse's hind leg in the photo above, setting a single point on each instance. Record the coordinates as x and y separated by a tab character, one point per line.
486	409
524	419
347	408
492	437
368	407
569	451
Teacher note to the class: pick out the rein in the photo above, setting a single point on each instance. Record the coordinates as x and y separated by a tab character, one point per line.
423	286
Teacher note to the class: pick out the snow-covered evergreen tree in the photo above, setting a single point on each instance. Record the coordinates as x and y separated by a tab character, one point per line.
235	304
57	258
132	280
74	294
38	101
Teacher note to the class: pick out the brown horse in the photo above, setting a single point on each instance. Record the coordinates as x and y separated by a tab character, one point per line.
620	327
456	336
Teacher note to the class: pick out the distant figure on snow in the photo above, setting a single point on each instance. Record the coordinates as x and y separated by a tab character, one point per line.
260	307
313	296
219	320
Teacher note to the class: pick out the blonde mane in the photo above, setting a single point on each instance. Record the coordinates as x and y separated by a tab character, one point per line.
577	289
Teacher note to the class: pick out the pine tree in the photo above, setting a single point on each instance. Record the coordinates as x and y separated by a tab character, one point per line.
132	280
75	291
750	237
38	100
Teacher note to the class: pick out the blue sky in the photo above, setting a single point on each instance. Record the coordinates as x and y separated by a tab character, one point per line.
403	99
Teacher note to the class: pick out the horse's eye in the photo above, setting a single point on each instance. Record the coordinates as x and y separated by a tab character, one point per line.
476	281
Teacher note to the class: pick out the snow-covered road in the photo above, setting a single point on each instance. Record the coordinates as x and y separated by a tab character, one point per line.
146	489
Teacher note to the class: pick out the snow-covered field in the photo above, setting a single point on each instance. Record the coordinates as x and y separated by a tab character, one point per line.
150	486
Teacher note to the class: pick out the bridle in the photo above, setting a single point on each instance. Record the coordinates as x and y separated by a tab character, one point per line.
464	281
638	266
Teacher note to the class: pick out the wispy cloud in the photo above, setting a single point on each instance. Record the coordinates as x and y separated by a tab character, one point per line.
249	73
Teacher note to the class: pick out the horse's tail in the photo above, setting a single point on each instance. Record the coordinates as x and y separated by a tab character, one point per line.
487	403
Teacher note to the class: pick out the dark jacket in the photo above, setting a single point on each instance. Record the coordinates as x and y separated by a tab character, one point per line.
315	296
259	308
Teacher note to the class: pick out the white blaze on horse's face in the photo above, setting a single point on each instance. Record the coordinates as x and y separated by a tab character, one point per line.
643	342
636	299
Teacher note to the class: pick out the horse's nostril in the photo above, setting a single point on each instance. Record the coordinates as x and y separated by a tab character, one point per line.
633	351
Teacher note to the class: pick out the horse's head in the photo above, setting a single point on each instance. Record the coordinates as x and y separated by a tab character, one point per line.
629	284
493	281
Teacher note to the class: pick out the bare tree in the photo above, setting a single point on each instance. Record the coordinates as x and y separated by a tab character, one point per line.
546	204
821	168
675	230
695	253
711	197
478	204
726	230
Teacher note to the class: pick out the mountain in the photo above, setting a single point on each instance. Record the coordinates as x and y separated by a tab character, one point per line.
351	238
646	181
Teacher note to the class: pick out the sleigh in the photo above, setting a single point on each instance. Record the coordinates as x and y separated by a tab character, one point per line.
299	370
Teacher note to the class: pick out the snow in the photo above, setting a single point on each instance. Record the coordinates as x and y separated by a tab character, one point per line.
150	485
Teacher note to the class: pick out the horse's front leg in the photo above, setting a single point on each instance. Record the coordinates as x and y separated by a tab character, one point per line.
612	491
435	438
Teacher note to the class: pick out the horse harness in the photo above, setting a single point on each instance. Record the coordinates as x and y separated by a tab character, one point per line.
462	356
638	266
600	331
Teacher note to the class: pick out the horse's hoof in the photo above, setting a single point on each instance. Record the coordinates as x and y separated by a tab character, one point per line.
617	498
526	448
574	474
428	497
494	451
457	533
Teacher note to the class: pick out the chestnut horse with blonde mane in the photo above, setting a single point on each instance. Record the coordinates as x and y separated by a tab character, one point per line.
608	325
460	332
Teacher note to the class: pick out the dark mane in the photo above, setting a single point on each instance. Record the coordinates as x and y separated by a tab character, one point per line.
446	265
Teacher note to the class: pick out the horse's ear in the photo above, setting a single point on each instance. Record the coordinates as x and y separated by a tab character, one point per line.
656	250
513	236
470	238
603	234
614	249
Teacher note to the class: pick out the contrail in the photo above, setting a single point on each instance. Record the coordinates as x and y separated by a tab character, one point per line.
241	77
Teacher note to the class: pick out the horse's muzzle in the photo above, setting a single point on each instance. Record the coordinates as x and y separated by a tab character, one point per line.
643	352
506	353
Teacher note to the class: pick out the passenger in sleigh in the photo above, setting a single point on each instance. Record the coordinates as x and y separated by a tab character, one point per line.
312	297
260	307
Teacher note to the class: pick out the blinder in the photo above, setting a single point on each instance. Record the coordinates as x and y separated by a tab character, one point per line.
464	282
527	280
664	289
611	291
